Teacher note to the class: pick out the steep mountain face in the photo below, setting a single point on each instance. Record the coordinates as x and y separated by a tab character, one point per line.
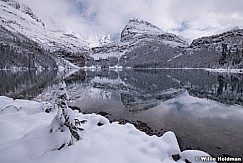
222	50
142	45
19	18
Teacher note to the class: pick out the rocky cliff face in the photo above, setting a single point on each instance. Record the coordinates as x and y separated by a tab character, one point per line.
233	38
222	50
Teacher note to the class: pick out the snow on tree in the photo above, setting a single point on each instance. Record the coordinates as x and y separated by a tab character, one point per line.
65	121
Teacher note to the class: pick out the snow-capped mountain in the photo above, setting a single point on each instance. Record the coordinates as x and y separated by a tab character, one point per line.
141	44
138	29
19	18
19	25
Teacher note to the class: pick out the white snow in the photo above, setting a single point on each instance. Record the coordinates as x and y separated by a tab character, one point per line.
226	70
113	49
97	40
116	67
25	137
175	57
100	56
173	44
142	28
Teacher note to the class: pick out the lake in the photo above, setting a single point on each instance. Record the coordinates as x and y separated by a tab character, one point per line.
204	109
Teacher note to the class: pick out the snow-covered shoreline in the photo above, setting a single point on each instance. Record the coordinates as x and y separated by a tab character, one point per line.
226	70
238	71
25	137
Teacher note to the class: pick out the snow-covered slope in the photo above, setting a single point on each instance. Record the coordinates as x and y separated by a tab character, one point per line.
141	43
19	52
19	18
98	40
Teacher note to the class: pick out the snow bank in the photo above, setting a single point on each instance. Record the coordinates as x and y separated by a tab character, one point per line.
25	137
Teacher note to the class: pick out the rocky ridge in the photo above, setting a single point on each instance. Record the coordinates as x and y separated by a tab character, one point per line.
206	52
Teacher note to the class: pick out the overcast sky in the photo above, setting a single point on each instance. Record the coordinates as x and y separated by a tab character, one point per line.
187	18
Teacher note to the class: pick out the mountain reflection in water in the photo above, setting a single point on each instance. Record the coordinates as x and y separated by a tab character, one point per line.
197	105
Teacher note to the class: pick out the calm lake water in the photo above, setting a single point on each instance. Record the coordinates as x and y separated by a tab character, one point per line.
204	109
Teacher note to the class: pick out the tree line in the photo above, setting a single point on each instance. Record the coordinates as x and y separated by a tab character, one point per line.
231	55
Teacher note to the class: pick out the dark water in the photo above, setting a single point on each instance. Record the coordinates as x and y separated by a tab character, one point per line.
25	84
209	118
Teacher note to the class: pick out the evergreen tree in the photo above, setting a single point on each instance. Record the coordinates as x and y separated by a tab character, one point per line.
222	59
65	120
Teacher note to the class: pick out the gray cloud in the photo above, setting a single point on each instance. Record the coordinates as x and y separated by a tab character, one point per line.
187	18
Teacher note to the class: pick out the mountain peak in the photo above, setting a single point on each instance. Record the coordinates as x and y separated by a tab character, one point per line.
137	27
140	22
22	8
